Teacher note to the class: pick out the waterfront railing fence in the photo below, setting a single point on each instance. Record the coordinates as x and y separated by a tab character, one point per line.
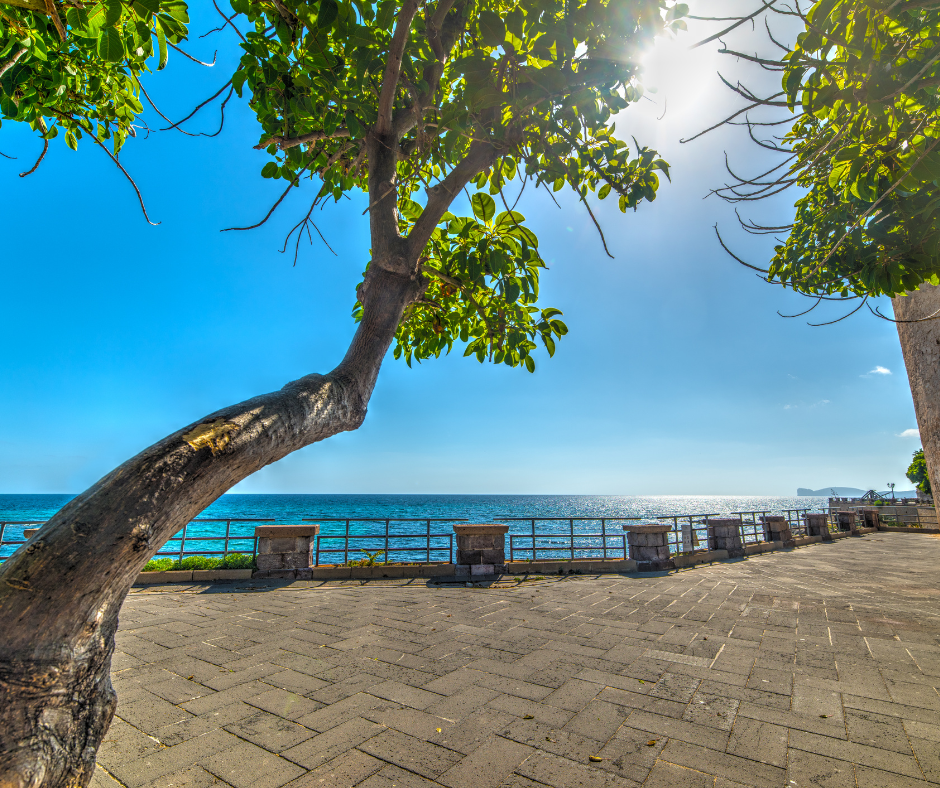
344	540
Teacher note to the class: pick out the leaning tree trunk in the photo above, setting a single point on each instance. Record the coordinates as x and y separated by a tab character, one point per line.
920	344
61	592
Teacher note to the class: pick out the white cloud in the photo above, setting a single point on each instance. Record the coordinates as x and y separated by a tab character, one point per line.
913	433
823	402
789	407
879	371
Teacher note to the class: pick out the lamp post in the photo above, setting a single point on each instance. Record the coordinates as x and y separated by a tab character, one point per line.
891	487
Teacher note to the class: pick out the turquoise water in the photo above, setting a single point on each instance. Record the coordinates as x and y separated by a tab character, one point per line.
450	508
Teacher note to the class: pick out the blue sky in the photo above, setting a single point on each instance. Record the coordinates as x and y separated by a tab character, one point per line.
677	377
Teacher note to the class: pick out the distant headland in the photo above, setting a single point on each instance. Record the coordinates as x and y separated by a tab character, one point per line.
850	492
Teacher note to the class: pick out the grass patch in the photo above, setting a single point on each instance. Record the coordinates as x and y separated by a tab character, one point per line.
231	561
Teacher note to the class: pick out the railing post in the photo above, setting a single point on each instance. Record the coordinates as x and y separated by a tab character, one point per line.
649	546
846	521
817	524
285	550
724	533
777	529
481	549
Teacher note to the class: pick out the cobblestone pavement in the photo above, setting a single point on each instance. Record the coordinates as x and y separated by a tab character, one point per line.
815	667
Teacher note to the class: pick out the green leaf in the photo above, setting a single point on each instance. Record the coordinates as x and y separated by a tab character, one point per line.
177	9
484	206
161	42
110	46
147	6
269	170
329	9
492	29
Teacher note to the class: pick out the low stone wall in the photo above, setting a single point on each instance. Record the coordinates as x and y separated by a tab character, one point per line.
906	529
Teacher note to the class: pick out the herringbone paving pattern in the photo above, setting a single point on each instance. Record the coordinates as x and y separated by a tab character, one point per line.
816	667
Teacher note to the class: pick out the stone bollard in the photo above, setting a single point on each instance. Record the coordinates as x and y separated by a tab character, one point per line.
724	533
285	549
649	546
481	549
817	525
871	518
846	521
777	529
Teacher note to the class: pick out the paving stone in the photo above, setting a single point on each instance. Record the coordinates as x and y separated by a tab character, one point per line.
288	705
668	775
423	758
560	772
319	749
759	741
722	764
350	768
855	753
273	733
248	766
487	766
809	770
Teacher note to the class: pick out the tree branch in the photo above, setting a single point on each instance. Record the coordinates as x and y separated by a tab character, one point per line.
56	19
396	51
292	142
12	61
480	156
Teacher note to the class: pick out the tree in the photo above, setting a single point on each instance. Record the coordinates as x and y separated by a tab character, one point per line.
412	102
859	97
917	472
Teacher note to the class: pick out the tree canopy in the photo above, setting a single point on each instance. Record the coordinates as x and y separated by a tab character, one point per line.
917	472
859	88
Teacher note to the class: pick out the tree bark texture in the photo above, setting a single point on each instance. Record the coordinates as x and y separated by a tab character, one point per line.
60	593
920	344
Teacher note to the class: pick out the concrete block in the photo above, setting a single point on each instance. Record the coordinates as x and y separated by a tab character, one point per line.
483	569
176	576
436	570
222	574
275	574
277	531
330	572
705	557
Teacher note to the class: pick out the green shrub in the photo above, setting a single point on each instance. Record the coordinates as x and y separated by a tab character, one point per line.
198	562
159	565
238	561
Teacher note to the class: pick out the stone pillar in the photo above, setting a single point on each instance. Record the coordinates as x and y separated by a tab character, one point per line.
649	546
777	529
284	549
871	518
846	520
481	549
817	525
724	533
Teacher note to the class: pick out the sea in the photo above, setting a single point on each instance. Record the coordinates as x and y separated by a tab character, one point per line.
558	515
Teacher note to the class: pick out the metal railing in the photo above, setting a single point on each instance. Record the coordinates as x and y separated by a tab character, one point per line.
385	543
243	543
20	525
226	540
752	527
527	546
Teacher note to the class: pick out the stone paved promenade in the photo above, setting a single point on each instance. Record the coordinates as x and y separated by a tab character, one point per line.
816	667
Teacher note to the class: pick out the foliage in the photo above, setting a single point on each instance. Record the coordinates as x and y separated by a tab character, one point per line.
159	565
230	561
371	559
917	472
84	77
863	80
537	80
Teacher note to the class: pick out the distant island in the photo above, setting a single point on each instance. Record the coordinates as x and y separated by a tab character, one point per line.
851	492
